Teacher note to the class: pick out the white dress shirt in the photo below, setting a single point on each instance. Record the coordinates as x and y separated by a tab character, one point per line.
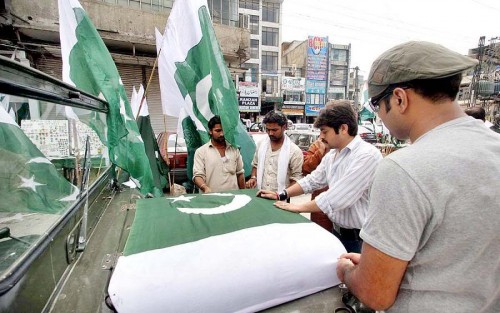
349	174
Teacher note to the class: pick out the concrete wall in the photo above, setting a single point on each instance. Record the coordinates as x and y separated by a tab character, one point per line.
119	25
296	55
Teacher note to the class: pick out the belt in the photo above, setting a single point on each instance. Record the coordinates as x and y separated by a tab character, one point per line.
348	233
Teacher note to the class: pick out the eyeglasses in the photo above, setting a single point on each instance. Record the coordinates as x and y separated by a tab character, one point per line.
375	102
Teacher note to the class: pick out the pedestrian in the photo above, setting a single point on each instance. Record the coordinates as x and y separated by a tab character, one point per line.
277	162
478	113
431	239
218	166
348	171
312	158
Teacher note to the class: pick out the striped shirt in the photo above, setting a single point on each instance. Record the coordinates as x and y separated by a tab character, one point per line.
349	174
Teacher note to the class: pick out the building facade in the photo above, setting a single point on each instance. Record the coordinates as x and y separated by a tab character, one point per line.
263	19
127	28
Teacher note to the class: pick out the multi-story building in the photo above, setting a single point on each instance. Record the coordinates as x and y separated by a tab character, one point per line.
263	19
325	67
127	28
355	89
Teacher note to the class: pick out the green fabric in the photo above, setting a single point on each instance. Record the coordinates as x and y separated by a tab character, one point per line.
158	166
93	70
202	60
366	114
28	181
158	224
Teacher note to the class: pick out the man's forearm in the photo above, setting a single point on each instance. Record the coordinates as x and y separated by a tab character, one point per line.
241	180
294	190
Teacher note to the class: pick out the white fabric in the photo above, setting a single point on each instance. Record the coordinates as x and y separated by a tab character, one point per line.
182	32
67	34
244	271
135	102
283	160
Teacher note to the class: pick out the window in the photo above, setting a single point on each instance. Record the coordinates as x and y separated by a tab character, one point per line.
254	49
270	85
270	61
254	24
339	55
315	98
270	36
149	5
224	11
338	76
271	12
249	4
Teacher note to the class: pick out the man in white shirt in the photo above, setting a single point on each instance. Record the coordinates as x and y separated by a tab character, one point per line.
277	162
218	166
348	170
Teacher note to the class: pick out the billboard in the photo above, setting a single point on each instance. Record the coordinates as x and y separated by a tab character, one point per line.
248	98
313	109
317	64
293	83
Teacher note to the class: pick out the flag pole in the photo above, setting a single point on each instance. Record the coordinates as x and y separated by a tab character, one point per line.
147	86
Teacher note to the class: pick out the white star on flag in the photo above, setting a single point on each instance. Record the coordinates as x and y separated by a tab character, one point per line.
181	198
29	183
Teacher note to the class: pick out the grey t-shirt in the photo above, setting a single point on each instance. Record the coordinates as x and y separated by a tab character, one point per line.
436	204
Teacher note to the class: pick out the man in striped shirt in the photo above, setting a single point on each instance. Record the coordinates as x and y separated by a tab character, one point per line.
348	170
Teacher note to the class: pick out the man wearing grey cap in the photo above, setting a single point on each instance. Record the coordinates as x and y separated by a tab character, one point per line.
431	238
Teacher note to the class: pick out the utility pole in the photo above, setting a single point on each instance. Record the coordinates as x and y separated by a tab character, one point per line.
474	84
356	87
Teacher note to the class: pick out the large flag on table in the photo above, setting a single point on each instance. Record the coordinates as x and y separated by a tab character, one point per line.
195	82
220	252
158	165
29	182
88	65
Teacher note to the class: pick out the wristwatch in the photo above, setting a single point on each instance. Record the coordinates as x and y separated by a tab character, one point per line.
253	177
283	195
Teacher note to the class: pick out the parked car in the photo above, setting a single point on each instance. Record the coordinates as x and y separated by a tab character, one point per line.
367	134
174	151
303	139
257	127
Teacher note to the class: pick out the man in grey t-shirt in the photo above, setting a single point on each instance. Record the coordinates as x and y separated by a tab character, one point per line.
431	238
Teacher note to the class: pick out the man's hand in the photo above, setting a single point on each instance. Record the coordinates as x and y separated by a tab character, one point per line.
267	194
288	206
207	189
322	148
251	183
346	262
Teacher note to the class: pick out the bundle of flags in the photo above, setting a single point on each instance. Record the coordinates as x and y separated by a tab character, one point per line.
88	65
195	82
220	252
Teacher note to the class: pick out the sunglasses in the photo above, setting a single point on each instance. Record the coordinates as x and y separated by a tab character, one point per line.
375	102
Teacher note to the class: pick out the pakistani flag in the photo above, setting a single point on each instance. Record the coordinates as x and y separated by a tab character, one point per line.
88	65
195	82
29	182
220	252
158	165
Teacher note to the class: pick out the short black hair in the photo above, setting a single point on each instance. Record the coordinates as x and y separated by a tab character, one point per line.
214	121
436	90
476	112
275	117
336	116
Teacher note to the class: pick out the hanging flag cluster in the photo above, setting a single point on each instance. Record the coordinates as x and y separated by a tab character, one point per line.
195	81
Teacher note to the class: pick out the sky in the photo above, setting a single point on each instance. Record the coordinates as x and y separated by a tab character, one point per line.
374	26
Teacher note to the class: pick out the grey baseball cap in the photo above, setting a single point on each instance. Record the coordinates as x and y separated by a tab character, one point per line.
415	60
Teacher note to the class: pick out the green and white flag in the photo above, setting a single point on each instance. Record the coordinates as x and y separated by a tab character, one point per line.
195	82
88	65
158	165
29	182
220	252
